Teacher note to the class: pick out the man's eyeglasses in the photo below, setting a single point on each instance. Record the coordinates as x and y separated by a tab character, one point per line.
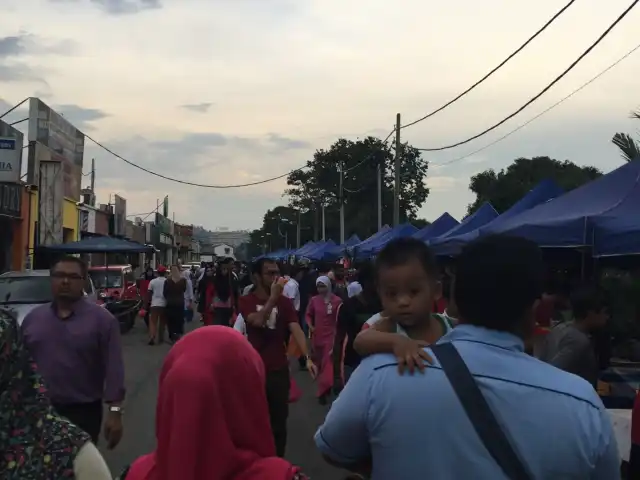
68	276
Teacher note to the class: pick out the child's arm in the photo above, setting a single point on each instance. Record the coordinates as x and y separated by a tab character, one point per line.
381	337
378	338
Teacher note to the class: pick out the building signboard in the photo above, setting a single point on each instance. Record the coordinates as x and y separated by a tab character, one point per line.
64	143
11	143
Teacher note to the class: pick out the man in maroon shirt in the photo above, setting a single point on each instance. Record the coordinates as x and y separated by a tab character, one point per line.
270	317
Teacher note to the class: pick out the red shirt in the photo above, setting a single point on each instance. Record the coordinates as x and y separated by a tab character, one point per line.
270	343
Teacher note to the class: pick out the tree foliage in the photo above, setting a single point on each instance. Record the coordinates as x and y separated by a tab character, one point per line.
629	148
504	188
279	225
318	185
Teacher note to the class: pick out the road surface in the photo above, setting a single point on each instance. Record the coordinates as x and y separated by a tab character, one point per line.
143	363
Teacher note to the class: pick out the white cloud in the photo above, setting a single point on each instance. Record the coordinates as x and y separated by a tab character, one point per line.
279	78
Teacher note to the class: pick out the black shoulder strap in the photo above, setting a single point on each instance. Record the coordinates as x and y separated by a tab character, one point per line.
479	412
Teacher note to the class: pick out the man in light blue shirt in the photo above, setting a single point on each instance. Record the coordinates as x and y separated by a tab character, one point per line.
414	427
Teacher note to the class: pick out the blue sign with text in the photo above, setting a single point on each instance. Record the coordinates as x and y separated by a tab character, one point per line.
7	144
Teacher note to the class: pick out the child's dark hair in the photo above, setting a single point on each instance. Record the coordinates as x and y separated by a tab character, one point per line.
402	250
587	299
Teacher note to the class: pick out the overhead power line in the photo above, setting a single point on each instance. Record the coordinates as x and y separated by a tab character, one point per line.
546	110
185	182
545	89
369	157
500	65
13	108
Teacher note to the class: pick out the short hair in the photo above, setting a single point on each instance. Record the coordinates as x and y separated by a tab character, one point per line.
258	265
71	259
366	275
586	299
401	251
497	279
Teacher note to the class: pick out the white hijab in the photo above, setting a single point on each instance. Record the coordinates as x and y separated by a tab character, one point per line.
324	280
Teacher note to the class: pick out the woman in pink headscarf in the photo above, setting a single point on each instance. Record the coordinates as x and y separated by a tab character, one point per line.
322	318
212	420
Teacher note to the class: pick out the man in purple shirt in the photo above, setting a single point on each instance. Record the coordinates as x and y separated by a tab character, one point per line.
76	345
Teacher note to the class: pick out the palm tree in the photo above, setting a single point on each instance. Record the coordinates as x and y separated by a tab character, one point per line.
629	148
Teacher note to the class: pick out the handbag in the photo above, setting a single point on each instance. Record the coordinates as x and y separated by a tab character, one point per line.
477	409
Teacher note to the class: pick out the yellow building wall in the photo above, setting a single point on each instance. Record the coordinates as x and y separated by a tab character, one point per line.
70	218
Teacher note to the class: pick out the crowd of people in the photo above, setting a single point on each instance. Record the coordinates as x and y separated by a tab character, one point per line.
428	370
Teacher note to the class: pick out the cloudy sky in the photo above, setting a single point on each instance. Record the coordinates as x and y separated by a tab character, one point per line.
235	91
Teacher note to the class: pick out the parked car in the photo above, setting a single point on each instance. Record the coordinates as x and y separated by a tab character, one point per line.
21	292
116	282
118	292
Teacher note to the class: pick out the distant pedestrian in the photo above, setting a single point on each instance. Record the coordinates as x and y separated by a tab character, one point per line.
156	305
175	292
205	297
76	345
225	294
322	317
143	288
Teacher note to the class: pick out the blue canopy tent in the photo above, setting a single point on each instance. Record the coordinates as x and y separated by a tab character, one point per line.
100	245
477	219
617	232
543	192
352	240
338	251
318	253
305	248
279	254
354	249
404	230
581	217
440	226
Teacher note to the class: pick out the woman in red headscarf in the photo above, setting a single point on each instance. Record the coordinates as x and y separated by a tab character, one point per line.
205	426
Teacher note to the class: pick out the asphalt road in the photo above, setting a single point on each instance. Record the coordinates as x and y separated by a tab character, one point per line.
143	364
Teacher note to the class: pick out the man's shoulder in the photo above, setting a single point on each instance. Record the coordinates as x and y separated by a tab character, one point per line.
378	363
96	311
38	312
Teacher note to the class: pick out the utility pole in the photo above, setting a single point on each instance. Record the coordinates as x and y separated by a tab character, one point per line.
299	229
341	196
379	175
93	175
396	191
324	225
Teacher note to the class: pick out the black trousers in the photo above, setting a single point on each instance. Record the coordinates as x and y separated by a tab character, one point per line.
222	316
174	315
278	383
87	416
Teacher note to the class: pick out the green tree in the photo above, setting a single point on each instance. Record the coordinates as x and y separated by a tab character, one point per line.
279	225
318	185
629	148
504	188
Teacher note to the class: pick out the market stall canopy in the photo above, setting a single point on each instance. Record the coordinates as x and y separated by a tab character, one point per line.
368	241
596	214
307	247
440	226
477	219
541	193
319	251
374	247
100	245
341	250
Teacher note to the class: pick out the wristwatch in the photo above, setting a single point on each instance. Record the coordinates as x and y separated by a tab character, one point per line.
115	409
